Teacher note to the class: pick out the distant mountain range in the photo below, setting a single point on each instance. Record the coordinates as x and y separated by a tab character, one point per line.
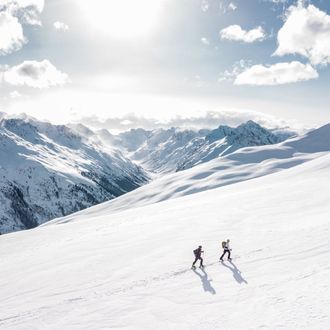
242	165
171	150
48	171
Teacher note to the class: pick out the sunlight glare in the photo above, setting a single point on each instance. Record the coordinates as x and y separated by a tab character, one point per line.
122	18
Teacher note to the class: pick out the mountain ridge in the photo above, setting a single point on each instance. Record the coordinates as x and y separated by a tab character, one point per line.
174	149
242	165
47	171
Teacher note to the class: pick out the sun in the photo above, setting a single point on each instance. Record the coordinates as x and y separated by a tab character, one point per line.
122	18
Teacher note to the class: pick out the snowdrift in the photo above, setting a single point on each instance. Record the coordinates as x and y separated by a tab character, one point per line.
131	270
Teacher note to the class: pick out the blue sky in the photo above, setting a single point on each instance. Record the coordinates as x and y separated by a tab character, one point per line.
121	64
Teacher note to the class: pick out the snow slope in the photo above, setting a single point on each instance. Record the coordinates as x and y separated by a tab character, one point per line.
131	270
243	164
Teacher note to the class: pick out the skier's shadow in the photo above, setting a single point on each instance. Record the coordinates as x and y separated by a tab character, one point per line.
236	272
205	281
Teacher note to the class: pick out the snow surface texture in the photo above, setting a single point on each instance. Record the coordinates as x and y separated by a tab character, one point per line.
47	171
131	270
244	164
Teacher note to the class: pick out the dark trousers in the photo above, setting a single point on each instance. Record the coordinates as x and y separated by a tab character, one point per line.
196	259
224	252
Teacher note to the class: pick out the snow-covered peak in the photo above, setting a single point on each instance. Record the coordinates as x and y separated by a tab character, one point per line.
49	170
174	149
246	133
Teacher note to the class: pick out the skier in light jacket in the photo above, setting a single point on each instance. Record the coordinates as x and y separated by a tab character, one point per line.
226	249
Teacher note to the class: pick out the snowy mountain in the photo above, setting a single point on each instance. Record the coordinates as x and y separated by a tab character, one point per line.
164	151
225	140
48	171
131	270
241	165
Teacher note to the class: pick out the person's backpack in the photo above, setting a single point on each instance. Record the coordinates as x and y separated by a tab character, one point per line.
196	252
224	244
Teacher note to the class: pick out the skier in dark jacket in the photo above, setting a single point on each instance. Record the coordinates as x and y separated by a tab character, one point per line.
198	256
226	249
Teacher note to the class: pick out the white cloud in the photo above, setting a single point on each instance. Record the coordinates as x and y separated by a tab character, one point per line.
306	31
235	32
60	26
205	41
14	13
11	33
28	11
38	4
225	6
232	7
35	74
277	74
237	68
207	119
205	5
15	95
279	1
91	107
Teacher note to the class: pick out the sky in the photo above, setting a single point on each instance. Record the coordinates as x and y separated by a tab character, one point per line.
120	64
